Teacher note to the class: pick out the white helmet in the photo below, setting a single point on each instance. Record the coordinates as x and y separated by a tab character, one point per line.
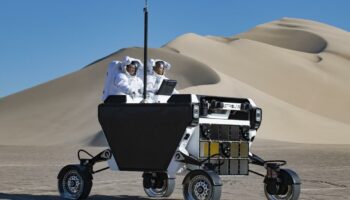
152	62
127	61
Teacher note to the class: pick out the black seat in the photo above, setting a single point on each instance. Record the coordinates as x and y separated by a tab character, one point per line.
115	99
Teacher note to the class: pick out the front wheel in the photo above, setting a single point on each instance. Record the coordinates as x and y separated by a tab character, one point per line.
158	184
74	182
288	187
199	185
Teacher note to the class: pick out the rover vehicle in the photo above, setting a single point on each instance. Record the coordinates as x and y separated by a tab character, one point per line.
203	136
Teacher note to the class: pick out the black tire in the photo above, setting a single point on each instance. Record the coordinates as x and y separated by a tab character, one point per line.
165	186
290	186
74	182
199	185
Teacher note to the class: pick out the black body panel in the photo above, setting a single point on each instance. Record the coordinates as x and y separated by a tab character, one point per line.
224	99
180	98
112	99
144	137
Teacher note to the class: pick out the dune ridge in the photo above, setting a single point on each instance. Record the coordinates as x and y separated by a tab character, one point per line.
311	81
296	70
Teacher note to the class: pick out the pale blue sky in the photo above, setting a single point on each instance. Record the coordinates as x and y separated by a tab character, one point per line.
44	39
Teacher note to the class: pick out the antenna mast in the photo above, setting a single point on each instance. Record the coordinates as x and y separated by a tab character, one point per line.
145	11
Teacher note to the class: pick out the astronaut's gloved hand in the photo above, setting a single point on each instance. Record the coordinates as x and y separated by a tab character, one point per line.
140	91
150	95
132	93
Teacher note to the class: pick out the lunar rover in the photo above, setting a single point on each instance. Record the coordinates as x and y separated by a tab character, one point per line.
205	137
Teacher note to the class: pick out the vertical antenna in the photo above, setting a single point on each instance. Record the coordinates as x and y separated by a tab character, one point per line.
145	52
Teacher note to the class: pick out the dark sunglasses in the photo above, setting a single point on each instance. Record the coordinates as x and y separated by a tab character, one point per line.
159	64
134	63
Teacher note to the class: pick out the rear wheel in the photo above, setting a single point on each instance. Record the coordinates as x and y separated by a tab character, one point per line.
74	182
158	184
287	188
200	186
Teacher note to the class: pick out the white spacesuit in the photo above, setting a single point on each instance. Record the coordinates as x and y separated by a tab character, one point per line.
121	78
156	70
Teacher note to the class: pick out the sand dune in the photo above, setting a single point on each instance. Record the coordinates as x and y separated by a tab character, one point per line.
307	80
296	70
64	111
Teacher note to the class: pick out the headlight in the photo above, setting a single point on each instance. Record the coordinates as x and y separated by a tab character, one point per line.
255	118
196	111
258	114
195	114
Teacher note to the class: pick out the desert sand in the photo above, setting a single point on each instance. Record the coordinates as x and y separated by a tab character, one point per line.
324	170
296	70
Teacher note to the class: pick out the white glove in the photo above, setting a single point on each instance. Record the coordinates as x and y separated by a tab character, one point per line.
132	93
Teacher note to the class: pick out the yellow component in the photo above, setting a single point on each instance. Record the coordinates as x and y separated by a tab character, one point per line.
244	150
234	150
214	149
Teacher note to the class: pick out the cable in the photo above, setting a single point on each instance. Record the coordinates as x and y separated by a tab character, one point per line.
210	157
213	165
256	173
87	153
100	170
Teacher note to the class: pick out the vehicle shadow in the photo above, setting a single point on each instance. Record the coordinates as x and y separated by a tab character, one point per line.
55	197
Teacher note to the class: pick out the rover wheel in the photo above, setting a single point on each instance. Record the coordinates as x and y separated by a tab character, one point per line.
74	182
288	189
158	184
200	186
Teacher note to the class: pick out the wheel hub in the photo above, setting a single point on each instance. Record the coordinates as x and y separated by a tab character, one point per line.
201	190
73	183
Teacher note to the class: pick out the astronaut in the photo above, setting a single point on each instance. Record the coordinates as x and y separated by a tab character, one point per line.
122	78
156	70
